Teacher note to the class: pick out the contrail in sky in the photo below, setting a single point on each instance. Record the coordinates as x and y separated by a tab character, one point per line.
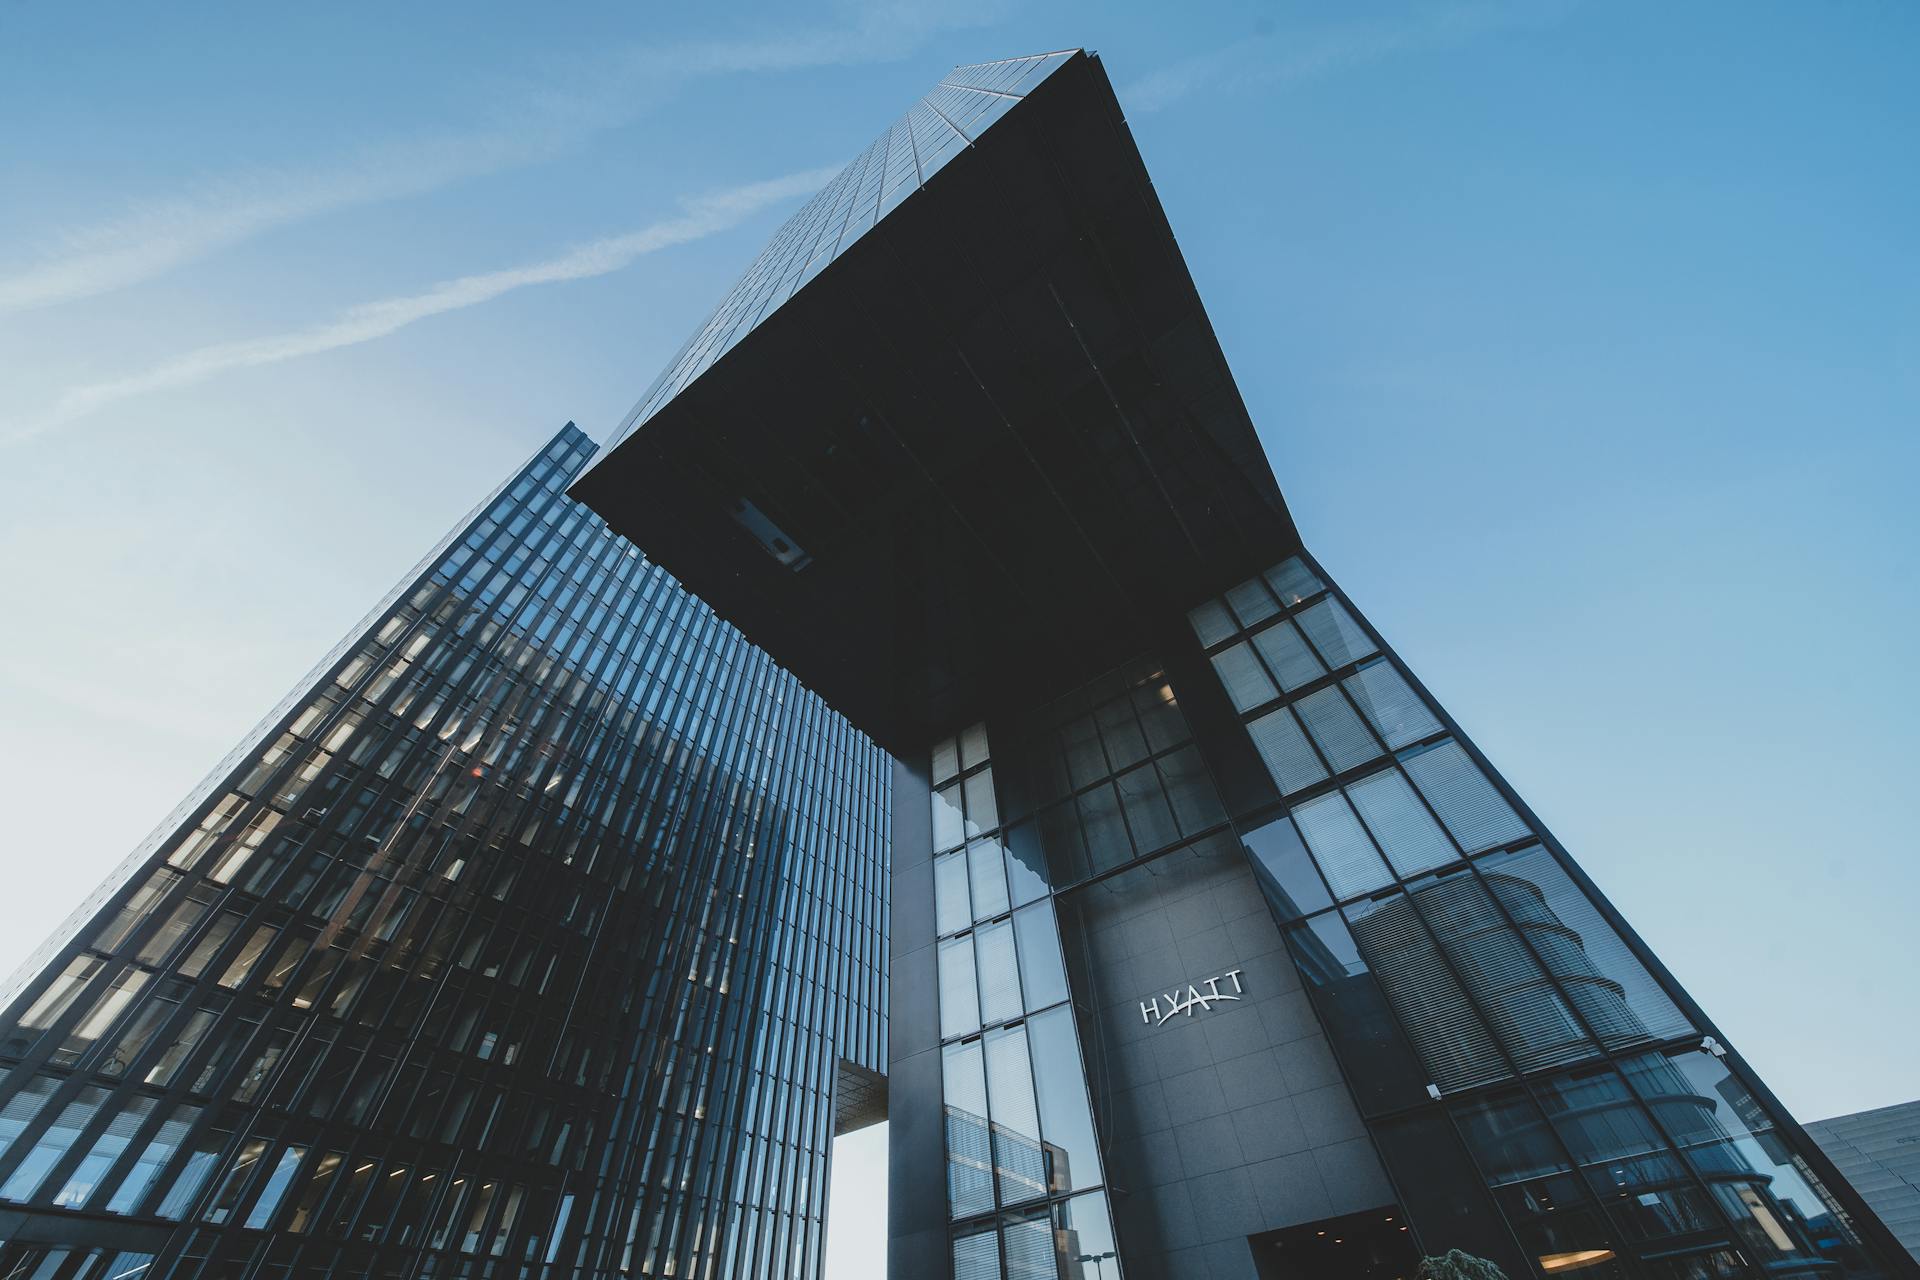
156	236
699	217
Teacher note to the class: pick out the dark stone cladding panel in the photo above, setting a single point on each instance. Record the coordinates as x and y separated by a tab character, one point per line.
1220	1123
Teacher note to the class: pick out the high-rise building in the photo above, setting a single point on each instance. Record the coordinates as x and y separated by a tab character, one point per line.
1879	1153
1218	949
540	931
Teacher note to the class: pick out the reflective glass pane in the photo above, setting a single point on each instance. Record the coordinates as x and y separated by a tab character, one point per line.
1288	657
1334	633
952	907
1393	709
999	974
1019	1164
1476	814
1041	974
982	813
987	874
1449	1036
1245	679
1336	729
1284	747
1285	871
959	1000
1026	864
1066	1122
948	829
1412	840
1340	846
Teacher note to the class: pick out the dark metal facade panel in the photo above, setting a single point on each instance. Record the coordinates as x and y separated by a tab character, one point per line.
980	453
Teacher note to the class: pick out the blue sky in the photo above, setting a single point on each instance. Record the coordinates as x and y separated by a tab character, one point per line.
1583	338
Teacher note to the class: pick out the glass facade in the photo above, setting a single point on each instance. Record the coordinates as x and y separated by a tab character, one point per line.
1024	1178
1488	1013
531	935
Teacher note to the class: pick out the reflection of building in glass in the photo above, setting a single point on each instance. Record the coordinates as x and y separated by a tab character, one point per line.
537	925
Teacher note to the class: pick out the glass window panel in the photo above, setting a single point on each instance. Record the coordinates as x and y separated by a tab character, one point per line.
1212	623
159	1149
987	873
1340	846
1449	1036
1159	715
1083	1230
1080	746
1286	873
973	745
1028	1244
1252	603
1061	842
946	759
976	1256
1041	975
959	999
982	813
1378	1062
999	974
1528	1014
202	1154
52	1145
107	1148
318	1184
1467	803
1336	727
1334	633
948	829
952	907
969	1148
134	913
1106	834
277	1183
248	956
210	942
106	1010
1288	657
1019	1168
1766	1188
1066	1123
1196	805
1612	990
1148	816
23	1108
1412	840
1120	732
245	1165
1244	678
1390	705
1292	581
1289	756
61	993
1026	864
185	916
179	1048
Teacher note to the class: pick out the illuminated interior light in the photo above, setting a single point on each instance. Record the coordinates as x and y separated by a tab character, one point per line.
1574	1260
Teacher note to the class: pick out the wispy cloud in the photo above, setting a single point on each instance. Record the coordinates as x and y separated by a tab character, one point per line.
699	217
1284	57
603	91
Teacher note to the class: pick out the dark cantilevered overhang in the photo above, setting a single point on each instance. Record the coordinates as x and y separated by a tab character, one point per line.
989	450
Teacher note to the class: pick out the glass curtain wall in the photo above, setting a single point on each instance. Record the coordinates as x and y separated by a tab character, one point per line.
1024	1178
1456	959
532	929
